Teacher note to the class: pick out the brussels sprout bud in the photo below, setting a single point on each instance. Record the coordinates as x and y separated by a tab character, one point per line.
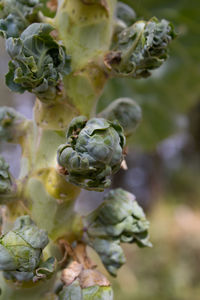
21	249
125	13
126	111
119	216
11	124
5	178
45	61
118	219
140	48
92	153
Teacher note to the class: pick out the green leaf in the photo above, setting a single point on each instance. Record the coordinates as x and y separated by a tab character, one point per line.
110	252
71	292
38	63
98	293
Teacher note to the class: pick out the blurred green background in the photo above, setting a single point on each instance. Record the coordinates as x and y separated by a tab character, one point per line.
163	160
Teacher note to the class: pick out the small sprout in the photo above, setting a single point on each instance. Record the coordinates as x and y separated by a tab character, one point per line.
11	11
38	63
140	48
93	152
11	124
125	13
5	178
126	111
118	219
21	249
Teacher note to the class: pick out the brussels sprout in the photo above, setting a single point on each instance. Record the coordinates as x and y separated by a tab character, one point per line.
125	13
21	249
140	48
38	63
126	111
5	178
92	153
11	124
118	219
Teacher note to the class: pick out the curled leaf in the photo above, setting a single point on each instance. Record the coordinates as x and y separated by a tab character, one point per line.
45	269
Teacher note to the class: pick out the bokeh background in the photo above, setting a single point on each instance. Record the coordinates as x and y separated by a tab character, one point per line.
163	160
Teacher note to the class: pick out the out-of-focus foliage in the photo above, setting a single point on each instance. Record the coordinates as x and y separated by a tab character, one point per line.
173	88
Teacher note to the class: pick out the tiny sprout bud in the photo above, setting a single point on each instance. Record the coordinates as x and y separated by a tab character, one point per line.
93	152
125	13
11	124
21	249
5	178
126	111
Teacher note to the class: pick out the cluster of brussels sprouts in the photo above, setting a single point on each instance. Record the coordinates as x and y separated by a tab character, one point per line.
94	149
